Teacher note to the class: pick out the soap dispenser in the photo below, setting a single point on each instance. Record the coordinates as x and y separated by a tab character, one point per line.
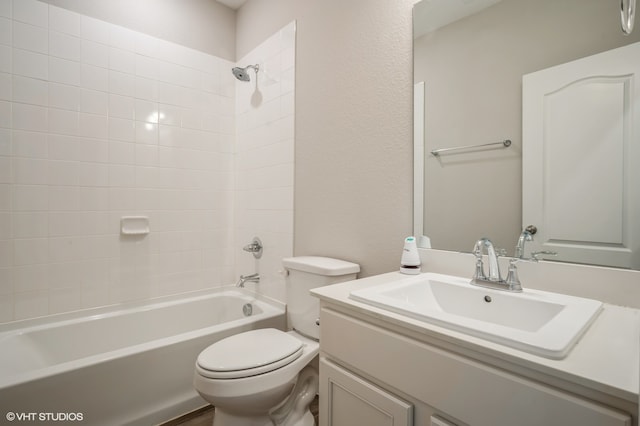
410	261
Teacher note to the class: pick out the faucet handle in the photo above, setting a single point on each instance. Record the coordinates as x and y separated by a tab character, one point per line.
512	277
535	256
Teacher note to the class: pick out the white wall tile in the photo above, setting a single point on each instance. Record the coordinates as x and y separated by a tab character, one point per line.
32	12
65	21
63	172
94	102
63	147
122	175
93	150
6	225
6	31
29	144
122	38
64	71
122	152
29	171
93	53
5	142
64	198
122	60
6	114
30	64
30	304
6	59
30	225
64	300
30	91
5	8
64	96
31	251
64	46
29	198
5	86
29	117
95	78
91	174
121	83
63	121
121	106
5	197
146	88
30	278
6	253
93	126
30	37
95	30
147	133
122	129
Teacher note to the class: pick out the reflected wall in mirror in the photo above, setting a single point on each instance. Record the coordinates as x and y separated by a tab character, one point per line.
471	56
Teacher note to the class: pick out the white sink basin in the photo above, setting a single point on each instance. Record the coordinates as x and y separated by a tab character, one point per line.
538	322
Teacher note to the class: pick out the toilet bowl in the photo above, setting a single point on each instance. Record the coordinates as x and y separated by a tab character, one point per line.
248	390
265	377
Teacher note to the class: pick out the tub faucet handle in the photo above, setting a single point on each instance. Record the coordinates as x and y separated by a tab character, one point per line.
254	247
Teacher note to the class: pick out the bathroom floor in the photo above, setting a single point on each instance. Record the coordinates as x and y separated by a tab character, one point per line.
204	416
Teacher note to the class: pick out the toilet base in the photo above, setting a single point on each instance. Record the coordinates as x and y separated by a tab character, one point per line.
293	411
225	419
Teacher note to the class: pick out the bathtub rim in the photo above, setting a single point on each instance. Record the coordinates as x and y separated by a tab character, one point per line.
270	308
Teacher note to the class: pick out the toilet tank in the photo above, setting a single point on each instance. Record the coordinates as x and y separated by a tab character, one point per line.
304	274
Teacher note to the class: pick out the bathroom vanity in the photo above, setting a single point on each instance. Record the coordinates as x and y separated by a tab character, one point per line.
378	367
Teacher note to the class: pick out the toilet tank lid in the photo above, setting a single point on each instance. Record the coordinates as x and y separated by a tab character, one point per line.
320	265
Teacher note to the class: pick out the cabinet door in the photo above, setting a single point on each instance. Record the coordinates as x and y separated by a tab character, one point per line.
347	400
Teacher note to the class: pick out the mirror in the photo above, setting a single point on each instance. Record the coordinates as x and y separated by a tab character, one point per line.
471	56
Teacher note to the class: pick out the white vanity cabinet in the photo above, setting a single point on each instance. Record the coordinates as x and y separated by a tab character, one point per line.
350	400
375	373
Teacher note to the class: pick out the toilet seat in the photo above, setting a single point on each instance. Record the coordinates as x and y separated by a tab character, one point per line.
248	354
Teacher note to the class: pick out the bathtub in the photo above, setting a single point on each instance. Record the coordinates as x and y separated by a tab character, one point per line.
132	364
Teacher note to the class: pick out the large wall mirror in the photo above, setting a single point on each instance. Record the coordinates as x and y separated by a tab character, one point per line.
470	57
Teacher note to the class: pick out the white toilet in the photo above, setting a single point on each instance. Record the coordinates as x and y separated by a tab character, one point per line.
264	377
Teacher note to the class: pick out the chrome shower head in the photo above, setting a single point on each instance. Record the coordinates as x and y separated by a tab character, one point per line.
241	73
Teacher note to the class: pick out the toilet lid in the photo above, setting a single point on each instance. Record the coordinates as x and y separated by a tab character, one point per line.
248	354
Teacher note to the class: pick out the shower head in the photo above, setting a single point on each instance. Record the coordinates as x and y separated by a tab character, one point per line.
241	73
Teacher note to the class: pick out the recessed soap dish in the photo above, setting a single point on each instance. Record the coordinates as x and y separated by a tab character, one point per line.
134	225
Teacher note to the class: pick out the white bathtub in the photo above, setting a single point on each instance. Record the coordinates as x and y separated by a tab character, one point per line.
127	365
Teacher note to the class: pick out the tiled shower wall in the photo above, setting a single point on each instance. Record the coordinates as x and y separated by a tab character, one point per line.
99	122
265	160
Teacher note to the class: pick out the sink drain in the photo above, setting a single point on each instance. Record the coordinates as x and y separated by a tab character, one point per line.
487	299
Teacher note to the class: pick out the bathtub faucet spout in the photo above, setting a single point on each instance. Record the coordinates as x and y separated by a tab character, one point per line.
253	278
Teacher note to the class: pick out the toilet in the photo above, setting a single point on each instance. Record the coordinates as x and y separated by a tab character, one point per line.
266	377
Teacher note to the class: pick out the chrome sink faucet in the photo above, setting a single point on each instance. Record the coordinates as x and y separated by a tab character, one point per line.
494	279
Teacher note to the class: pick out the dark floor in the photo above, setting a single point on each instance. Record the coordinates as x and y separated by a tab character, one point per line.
204	416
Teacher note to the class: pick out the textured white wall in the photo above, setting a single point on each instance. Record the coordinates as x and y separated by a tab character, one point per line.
353	152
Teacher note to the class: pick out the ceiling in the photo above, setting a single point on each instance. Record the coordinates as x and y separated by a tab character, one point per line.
233	4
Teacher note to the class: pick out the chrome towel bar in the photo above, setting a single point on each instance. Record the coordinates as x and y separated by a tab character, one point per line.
436	152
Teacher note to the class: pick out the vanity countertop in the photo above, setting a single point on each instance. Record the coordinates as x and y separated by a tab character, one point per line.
606	359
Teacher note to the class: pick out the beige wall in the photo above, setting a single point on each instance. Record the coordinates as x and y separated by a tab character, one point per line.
204	25
472	71
353	159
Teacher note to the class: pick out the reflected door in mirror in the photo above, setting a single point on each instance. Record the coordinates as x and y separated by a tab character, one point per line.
581	130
